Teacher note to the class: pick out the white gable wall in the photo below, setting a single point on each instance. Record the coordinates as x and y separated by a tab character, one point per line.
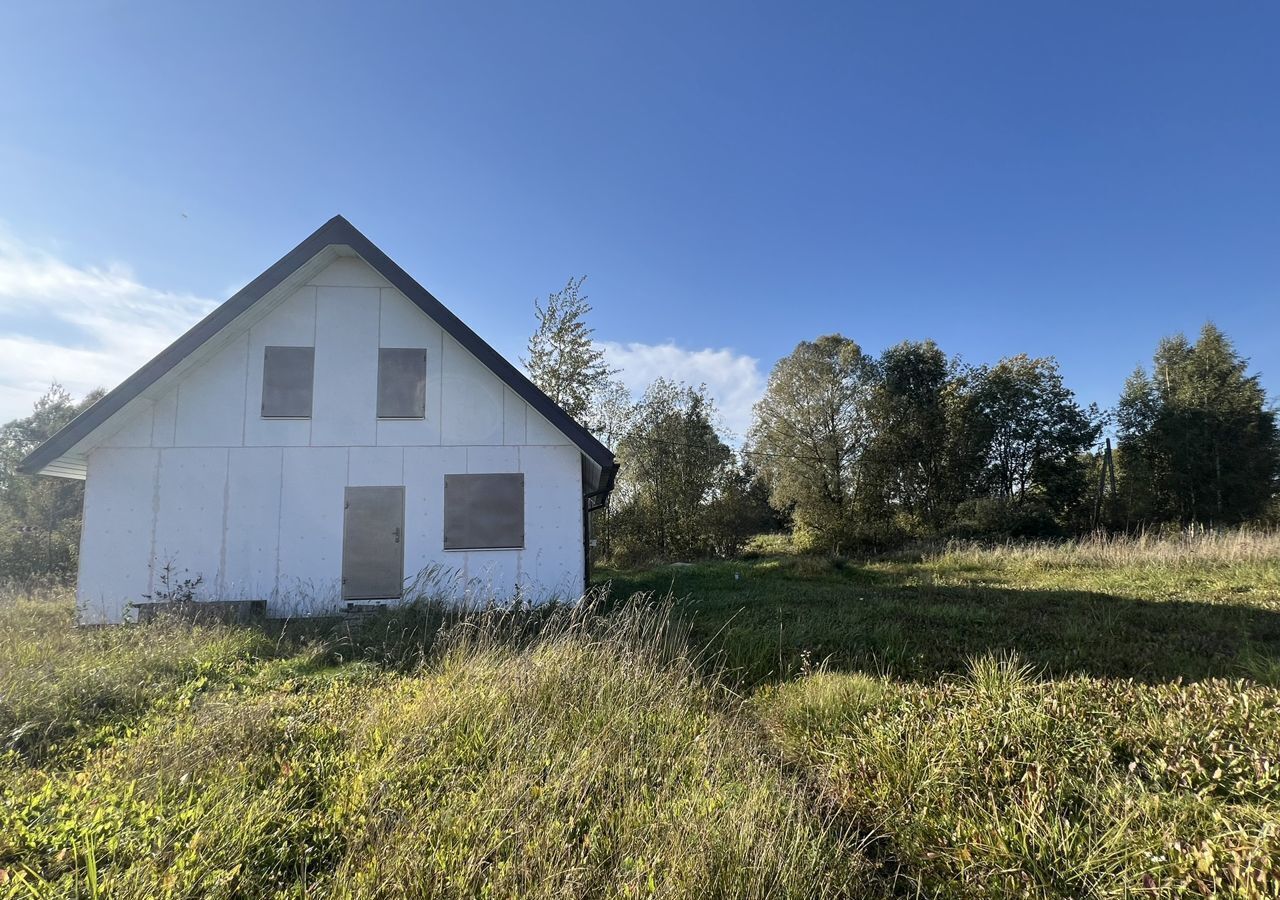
255	505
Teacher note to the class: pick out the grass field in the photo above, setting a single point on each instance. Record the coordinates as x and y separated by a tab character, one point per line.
1092	720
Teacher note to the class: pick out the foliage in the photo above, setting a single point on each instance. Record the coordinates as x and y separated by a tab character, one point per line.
869	453
907	458
998	784
811	429
1197	441
172	588
57	680
672	463
1037	433
1097	718
738	510
563	360
39	516
1189	606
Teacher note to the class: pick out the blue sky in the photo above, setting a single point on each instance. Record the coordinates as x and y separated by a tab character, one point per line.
1073	180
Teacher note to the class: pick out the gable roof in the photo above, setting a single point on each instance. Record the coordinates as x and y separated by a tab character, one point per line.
336	232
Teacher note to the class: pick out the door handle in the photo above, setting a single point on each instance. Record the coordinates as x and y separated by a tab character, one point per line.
397	534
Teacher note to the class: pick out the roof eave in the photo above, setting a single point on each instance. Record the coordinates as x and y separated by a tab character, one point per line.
337	231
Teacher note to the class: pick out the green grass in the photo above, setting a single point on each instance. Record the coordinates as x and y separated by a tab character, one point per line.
1143	610
582	757
1082	720
57	681
1091	719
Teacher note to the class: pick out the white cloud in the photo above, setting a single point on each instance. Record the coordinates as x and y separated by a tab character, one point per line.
734	380
84	327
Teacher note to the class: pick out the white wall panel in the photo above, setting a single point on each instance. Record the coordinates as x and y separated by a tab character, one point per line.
349	271
165	416
119	518
190	515
252	537
491	575
311	499
346	381
211	400
375	466
553	514
542	432
404	325
472	402
136	432
291	324
424	471
482	460
514	411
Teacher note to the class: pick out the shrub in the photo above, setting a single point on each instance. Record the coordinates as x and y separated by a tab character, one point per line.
994	518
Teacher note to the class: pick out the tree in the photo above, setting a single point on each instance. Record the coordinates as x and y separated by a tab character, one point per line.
811	428
1038	433
39	515
967	441
738	509
563	360
1198	442
610	413
672	460
907	454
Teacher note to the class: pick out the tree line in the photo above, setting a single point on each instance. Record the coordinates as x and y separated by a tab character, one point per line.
848	451
39	516
851	451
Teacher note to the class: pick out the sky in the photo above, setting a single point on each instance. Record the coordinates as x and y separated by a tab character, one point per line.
1065	179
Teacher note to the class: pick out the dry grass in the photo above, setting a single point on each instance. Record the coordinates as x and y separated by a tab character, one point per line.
591	759
1095	719
1188	548
998	784
58	681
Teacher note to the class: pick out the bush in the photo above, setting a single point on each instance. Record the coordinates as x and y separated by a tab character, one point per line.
995	518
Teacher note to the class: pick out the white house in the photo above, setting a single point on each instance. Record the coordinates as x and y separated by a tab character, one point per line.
322	438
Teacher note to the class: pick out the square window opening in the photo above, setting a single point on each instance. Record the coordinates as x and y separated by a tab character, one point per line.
484	512
402	383
288	375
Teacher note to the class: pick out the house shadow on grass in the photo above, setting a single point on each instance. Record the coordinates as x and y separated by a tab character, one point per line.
880	625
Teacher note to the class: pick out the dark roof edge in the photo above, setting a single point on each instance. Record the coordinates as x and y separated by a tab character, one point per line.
336	231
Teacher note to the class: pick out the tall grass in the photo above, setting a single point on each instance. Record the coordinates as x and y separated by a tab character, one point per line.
57	680
592	759
1188	548
999	784
1096	719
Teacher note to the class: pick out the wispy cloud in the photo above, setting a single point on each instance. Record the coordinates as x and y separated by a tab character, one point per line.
734	380
85	327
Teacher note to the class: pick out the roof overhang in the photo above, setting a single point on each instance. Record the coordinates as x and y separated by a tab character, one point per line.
66	453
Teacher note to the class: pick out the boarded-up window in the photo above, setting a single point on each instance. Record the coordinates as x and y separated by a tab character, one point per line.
402	383
287	376
483	512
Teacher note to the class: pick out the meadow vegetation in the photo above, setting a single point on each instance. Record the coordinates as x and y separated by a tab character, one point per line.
1090	719
580	755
